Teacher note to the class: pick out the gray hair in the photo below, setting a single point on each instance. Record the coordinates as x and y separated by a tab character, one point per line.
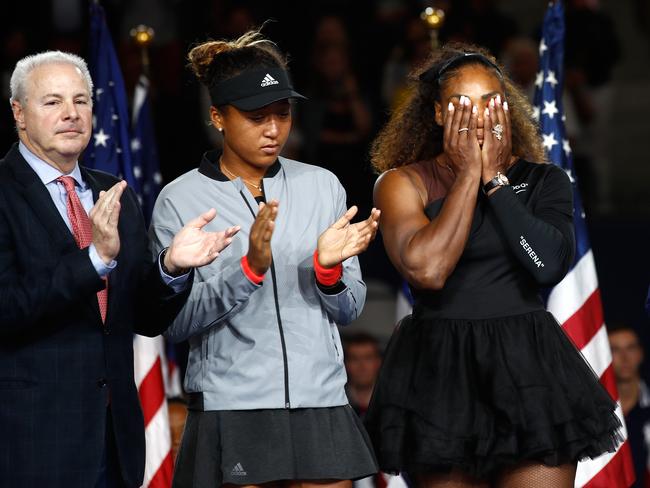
25	66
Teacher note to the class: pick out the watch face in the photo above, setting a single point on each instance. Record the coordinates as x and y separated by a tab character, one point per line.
502	179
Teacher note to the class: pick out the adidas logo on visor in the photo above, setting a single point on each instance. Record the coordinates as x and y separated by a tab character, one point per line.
269	80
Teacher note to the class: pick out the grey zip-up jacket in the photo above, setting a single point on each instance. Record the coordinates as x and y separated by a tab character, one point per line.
274	345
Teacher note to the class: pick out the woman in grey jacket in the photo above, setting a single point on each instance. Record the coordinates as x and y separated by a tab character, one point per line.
265	373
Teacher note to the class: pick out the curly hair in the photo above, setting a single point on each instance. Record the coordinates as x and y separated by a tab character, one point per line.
412	133
216	61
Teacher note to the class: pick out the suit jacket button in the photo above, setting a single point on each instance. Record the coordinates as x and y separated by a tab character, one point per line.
101	383
107	331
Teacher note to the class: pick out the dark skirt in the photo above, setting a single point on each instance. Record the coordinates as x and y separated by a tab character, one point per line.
257	446
483	395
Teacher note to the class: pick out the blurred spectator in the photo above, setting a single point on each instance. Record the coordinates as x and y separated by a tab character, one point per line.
177	408
336	121
362	357
413	50
627	356
592	51
521	59
478	22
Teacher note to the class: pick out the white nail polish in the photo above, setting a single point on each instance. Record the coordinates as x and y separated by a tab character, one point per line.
450	107
505	105
498	99
487	112
474	109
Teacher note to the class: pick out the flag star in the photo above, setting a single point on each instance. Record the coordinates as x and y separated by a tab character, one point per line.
157	178
566	146
115	117
536	112
563	118
539	79
137	172
542	47
118	150
550	109
98	93
550	78
100	138
135	144
584	215
549	141
570	175
111	83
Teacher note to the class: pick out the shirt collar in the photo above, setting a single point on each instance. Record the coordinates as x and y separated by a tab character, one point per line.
46	172
210	166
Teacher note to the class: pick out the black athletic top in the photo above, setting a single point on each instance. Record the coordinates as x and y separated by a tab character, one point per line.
521	239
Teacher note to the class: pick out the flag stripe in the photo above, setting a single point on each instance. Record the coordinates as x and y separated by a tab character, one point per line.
608	380
151	392
595	353
158	441
583	325
569	295
163	477
617	472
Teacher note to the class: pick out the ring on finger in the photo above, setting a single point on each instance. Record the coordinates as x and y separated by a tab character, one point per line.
497	130
463	129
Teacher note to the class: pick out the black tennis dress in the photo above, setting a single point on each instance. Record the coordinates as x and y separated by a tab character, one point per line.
481	377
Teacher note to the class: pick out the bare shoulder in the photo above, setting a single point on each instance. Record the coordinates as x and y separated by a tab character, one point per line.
403	182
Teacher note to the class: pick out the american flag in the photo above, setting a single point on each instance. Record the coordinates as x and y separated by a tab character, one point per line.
144	149
110	150
575	301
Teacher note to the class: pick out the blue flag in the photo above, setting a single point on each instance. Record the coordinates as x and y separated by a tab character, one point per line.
143	149
109	148
550	112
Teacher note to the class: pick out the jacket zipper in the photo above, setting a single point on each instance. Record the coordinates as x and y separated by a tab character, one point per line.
287	402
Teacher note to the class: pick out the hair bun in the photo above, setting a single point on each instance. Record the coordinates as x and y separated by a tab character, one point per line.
201	57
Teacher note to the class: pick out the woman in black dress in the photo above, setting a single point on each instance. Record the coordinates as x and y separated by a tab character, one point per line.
480	386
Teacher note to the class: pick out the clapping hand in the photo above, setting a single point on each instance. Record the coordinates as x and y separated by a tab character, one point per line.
193	247
259	247
343	240
104	217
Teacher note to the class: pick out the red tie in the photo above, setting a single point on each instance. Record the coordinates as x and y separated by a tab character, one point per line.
82	231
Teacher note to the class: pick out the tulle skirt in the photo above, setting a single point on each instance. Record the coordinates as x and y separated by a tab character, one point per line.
482	395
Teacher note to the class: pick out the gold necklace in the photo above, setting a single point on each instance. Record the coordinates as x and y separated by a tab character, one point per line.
258	187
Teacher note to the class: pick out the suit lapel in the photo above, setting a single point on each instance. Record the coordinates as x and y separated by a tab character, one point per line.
39	199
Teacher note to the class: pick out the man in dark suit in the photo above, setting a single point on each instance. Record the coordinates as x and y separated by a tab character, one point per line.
75	284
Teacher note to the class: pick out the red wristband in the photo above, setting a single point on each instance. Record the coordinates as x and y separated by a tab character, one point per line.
327	276
250	274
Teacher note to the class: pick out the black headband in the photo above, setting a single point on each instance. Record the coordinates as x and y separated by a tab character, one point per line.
435	72
254	89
